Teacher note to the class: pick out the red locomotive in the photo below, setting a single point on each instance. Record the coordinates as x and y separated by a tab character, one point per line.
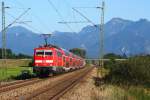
52	59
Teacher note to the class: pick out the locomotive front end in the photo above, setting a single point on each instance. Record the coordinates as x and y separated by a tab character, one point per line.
43	61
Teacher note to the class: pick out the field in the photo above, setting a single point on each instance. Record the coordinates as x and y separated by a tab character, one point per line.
118	80
127	80
13	67
130	79
87	90
15	62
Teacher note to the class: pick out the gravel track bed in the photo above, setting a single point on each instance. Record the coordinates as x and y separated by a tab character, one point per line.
19	93
83	90
17	82
53	91
9	82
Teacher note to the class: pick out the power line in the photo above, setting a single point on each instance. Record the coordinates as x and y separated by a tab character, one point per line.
30	26
40	21
84	17
84	7
19	3
73	22
10	15
73	16
59	14
18	17
25	23
37	19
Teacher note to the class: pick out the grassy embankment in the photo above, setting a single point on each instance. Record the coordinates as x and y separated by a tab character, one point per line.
12	68
127	80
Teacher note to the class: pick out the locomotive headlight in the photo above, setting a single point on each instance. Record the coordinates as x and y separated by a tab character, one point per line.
38	61
49	61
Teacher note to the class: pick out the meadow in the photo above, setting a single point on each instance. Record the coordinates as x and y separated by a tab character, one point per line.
13	67
127	80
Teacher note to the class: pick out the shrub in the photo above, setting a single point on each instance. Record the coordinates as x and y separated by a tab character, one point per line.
134	70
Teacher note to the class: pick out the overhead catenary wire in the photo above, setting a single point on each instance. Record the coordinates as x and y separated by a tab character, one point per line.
33	14
30	26
84	7
24	23
19	3
73	22
18	18
59	14
41	22
85	17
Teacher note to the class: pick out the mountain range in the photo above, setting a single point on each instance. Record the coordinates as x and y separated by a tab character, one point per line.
121	36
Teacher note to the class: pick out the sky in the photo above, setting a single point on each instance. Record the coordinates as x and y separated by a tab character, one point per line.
44	16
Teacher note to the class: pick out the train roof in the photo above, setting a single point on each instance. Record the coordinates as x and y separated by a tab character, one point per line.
54	46
48	46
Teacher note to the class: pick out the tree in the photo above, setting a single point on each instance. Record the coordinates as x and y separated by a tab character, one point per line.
112	56
79	52
11	55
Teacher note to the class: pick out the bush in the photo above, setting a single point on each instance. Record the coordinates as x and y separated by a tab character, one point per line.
134	70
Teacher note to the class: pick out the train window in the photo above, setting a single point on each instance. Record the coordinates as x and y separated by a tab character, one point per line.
66	53
70	59
64	59
48	53
59	54
39	52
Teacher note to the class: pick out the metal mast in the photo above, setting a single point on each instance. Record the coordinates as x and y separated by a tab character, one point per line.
101	38
4	52
3	31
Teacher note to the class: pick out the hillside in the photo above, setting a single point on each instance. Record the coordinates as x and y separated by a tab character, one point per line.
131	37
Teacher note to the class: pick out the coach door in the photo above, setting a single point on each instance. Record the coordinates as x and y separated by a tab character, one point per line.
59	55
64	61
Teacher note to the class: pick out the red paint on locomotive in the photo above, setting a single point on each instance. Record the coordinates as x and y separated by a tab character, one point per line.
50	58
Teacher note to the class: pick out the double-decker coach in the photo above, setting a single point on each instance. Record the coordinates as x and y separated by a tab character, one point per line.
52	59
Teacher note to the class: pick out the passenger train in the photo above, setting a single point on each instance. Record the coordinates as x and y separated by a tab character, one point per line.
50	59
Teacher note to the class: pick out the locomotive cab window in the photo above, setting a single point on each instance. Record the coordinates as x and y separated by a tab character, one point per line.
48	53
39	52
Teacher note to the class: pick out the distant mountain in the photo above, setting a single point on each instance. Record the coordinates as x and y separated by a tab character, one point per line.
65	40
121	36
22	40
134	38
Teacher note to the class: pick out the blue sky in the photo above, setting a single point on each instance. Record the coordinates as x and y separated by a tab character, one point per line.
45	19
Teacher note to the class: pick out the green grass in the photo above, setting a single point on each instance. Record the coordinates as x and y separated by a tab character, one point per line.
14	68
15	62
113	92
139	93
126	92
6	74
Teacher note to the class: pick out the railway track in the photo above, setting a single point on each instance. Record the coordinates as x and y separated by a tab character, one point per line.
21	83
18	84
42	89
55	91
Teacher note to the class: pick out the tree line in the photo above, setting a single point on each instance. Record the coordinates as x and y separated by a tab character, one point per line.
11	55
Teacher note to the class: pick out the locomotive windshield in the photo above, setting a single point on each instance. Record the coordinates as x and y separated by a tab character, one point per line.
43	52
39	52
48	52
